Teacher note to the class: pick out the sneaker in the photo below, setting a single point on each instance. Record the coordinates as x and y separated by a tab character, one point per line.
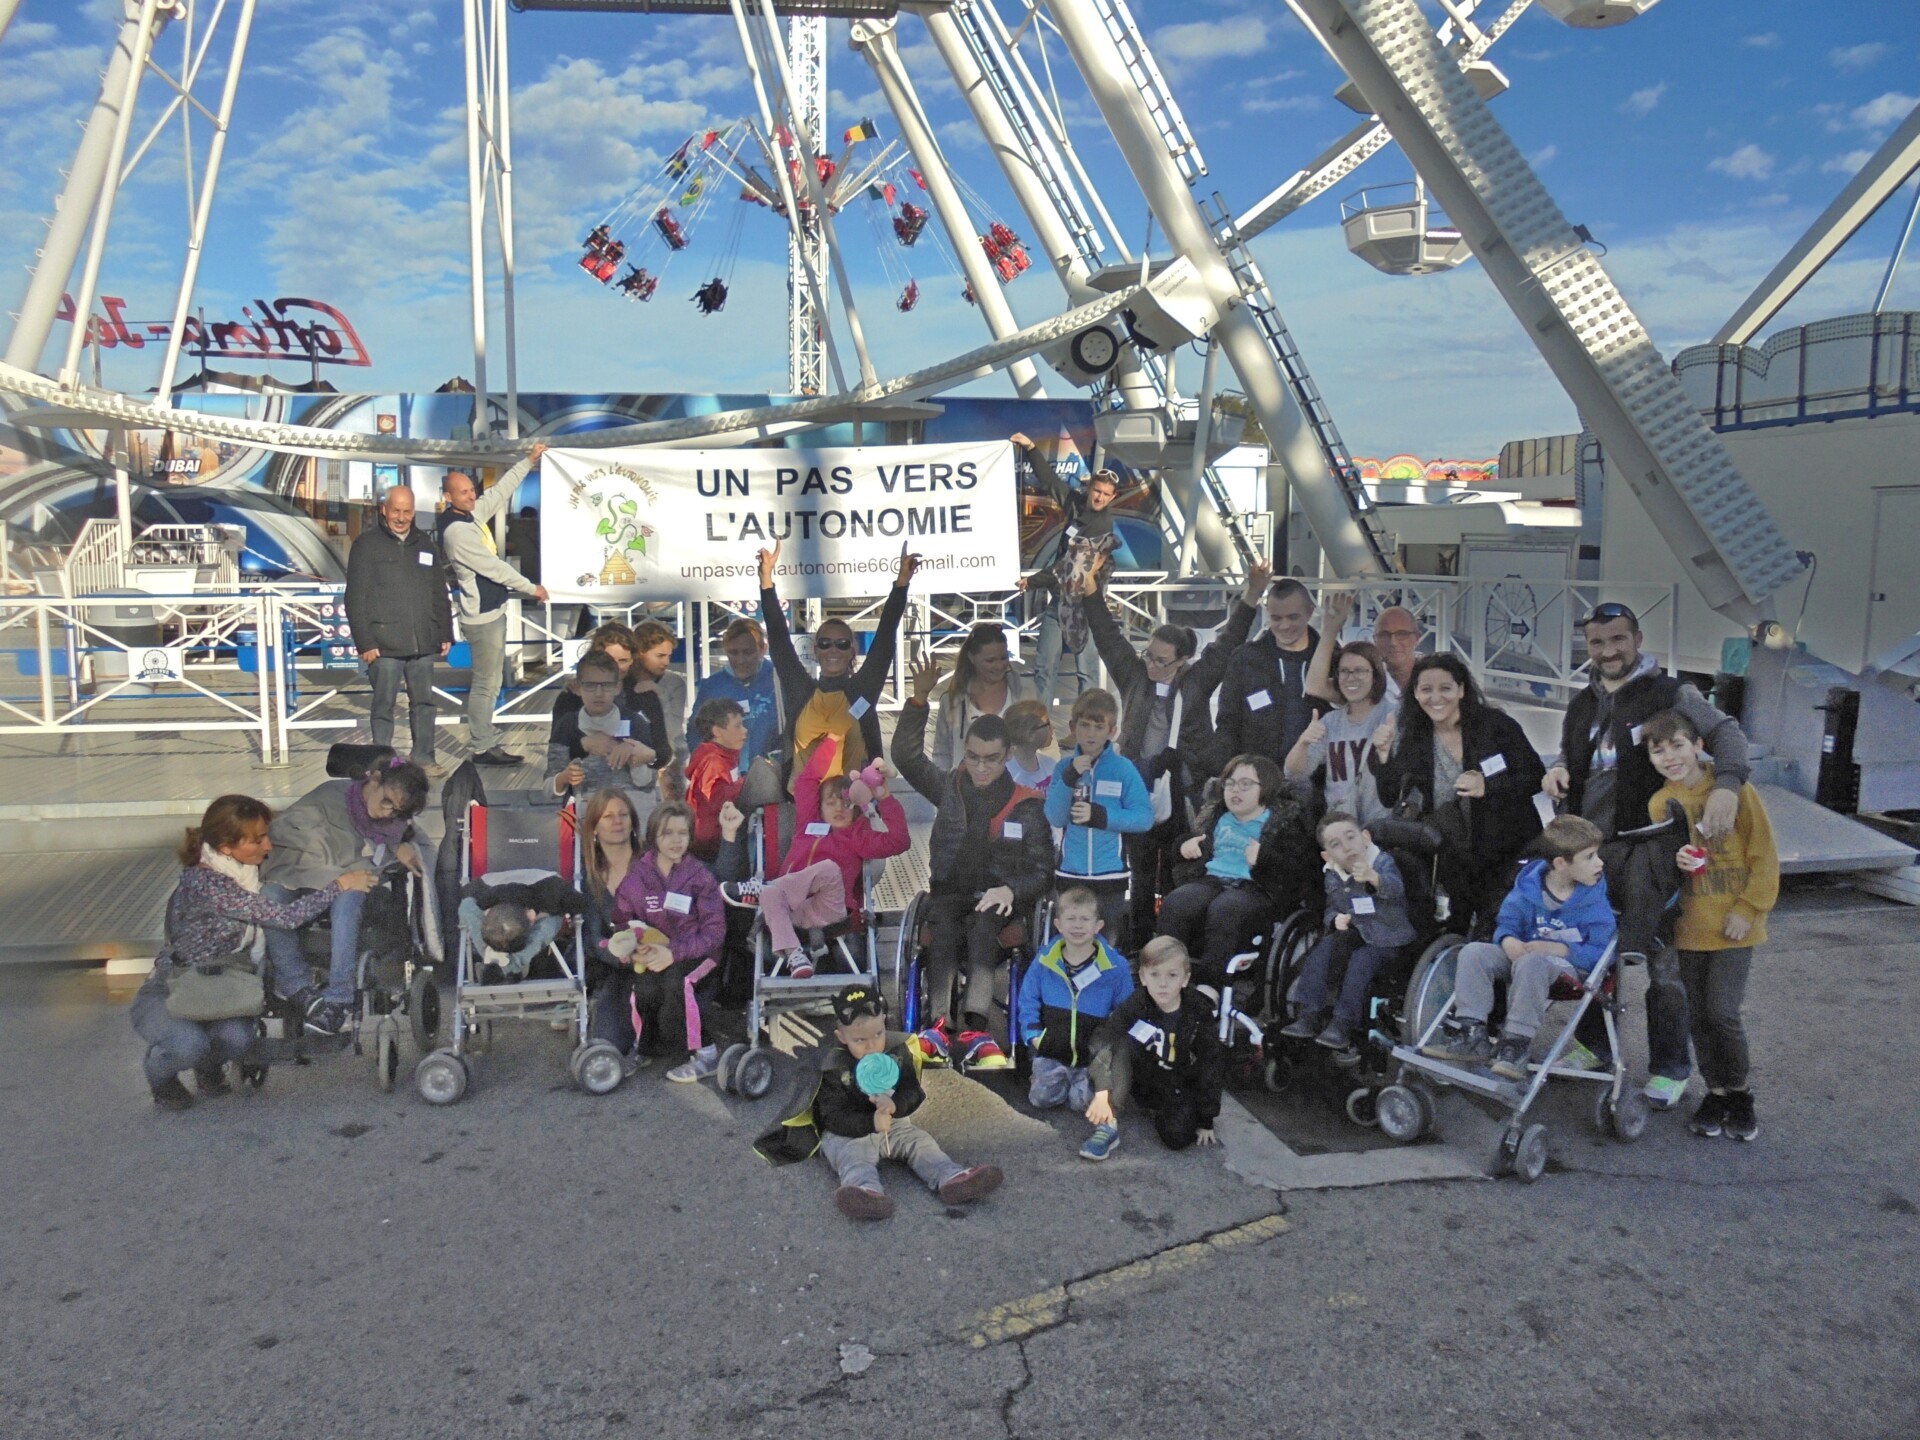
1740	1122
980	1051
211	1081
1306	1026
329	1017
698	1066
741	894
1102	1143
1663	1092
1510	1060
632	1065
1579	1057
1334	1037
1710	1119
170	1094
971	1185
498	755
857	1202
935	1048
1462	1041
798	962
253	1074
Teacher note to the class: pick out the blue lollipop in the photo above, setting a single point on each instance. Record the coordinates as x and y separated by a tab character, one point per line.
877	1074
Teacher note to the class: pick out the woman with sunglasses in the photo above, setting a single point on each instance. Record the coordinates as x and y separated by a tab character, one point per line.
841	700
1166	724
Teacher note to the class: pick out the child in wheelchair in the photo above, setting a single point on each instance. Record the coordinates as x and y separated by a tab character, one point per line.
1555	922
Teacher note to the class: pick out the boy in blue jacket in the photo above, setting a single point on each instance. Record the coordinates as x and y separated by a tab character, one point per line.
1070	988
1098	796
1555	921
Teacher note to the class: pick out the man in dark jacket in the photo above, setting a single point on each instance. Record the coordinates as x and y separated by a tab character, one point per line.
1086	540
1263	701
401	618
991	858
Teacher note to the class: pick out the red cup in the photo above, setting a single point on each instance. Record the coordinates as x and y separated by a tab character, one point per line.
1692	859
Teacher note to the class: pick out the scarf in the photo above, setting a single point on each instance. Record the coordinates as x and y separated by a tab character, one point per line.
388	832
247	877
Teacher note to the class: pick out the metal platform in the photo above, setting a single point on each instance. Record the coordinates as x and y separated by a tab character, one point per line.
1813	840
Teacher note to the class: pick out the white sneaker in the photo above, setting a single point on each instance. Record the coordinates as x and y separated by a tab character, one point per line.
698	1066
798	962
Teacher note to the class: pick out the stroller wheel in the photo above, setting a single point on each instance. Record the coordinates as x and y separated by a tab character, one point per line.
597	1068
754	1075
1628	1116
386	1054
1403	1113
1530	1159
1362	1108
1277	1073
423	1008
729	1063
441	1077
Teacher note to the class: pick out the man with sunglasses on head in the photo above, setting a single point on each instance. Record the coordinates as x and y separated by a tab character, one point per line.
991	859
1086	542
1604	776
841	700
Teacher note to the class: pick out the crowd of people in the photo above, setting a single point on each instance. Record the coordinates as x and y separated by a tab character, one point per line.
1173	819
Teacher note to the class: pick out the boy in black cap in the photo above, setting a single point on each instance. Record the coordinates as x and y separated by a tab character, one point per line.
856	1129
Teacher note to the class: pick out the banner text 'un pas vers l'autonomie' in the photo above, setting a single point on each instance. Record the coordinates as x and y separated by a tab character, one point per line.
621	526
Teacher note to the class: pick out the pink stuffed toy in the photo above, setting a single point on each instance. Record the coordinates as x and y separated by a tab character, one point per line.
864	786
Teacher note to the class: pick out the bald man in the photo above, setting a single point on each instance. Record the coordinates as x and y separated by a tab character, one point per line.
1396	634
401	619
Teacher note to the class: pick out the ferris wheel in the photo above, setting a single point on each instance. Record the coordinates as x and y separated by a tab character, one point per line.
1123	315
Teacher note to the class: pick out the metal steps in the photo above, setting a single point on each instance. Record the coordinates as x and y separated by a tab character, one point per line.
1146	75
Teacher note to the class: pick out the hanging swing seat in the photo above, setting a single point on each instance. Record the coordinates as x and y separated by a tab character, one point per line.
712	296
669	229
909	297
637	284
908	224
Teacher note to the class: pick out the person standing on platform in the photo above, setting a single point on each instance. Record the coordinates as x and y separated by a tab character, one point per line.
482	581
398	612
1086	542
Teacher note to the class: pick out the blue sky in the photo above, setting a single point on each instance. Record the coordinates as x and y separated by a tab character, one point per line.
1696	143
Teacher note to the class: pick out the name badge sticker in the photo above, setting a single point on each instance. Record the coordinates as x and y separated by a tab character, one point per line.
1084	976
1363	905
423	557
859	707
1259	700
1014	830
1493	765
1107	789
1162	688
623	729
819	827
1143	1032
679	904
1634	733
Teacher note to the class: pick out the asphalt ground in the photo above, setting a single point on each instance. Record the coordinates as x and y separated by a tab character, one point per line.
321	1259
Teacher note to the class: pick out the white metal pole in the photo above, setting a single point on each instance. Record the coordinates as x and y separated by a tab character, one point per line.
1893	260
476	220
502	110
750	49
109	192
874	40
822	216
203	211
7	9
1190	505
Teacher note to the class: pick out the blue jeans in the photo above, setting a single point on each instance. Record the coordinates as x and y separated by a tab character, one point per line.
488	641
1050	656
1055	1085
174	1045
287	963
1363	962
387	673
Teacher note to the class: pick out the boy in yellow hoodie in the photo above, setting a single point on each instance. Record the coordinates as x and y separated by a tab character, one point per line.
1732	881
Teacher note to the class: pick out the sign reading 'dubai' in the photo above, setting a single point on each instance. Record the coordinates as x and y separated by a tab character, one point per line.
619	526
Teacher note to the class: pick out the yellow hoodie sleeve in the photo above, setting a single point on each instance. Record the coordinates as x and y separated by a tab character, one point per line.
1762	892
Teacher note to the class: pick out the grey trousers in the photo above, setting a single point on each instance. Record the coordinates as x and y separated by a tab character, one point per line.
1716	982
488	641
857	1162
387	673
1529	979
1055	1085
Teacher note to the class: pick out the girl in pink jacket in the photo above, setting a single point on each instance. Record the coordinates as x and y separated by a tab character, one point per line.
839	824
668	924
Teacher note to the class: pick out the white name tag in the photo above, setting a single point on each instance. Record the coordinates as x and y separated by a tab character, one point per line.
1634	733
623	730
1143	1032
679	904
1014	830
859	707
1162	688
1259	700
1363	905
1106	789
1493	765
1084	976
423	557
818	827
1072	530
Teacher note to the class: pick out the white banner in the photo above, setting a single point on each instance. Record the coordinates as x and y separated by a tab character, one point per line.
622	526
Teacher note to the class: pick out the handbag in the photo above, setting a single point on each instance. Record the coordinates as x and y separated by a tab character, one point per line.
761	786
227	987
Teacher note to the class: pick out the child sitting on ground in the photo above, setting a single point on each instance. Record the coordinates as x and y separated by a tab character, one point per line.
1732	882
857	1121
1367	924
841	823
1098	796
1161	1049
713	772
1065	993
628	766
510	921
1556	921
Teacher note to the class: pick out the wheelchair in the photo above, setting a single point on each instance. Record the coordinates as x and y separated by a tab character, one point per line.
906	990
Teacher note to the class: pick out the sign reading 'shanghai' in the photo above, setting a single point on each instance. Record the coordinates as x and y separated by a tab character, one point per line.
641	524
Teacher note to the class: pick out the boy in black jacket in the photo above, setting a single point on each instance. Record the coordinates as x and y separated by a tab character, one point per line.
1162	1049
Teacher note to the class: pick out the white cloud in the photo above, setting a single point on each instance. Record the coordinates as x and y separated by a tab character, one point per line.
1857	57
1749	162
1883	112
1543	157
1265	104
1643	102
1198	41
1848	163
1765	41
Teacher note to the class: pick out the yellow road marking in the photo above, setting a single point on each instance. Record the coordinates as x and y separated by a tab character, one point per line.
1046	1308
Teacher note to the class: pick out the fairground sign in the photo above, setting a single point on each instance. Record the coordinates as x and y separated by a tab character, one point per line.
290	328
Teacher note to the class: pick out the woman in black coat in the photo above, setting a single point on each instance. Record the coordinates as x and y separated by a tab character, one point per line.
1467	764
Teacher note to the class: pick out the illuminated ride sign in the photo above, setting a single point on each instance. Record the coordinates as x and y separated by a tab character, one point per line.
290	328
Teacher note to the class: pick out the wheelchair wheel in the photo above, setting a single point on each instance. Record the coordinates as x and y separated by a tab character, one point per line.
1431	987
1363	1109
597	1068
386	1053
754	1075
441	1077
1277	1074
423	1008
1402	1115
1297	936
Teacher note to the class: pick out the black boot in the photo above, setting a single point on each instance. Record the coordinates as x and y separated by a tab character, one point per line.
170	1094
211	1080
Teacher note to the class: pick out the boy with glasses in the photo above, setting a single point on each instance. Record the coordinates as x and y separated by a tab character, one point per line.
571	767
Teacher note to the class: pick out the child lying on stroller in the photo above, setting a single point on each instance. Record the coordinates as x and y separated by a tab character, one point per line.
512	920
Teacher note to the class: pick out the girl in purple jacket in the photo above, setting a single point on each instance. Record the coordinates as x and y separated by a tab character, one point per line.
669	923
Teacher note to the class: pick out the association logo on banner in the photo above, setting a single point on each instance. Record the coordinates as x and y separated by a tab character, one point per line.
620	500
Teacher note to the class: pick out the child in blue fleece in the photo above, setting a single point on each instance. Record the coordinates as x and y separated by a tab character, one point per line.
1096	797
1071	987
1555	921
